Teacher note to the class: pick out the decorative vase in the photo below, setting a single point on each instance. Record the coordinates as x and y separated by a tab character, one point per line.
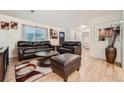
111	53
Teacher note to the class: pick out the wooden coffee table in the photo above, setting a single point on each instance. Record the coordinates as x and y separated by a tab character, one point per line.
47	55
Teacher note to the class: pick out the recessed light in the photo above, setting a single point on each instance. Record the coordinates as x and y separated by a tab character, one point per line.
115	22
121	21
82	26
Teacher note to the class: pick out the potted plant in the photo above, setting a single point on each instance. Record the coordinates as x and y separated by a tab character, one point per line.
111	51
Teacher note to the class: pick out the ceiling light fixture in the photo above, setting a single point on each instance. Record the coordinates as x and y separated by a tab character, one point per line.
82	26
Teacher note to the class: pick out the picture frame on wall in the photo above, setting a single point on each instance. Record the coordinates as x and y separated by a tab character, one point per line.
53	34
104	33
13	25
4	25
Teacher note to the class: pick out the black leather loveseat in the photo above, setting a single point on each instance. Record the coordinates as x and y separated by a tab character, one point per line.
27	49
73	47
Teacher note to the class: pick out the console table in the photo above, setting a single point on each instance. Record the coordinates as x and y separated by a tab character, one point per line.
4	61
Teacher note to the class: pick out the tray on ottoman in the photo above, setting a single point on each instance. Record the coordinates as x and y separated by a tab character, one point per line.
65	64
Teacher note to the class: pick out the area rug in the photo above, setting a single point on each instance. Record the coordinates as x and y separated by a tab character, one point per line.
30	71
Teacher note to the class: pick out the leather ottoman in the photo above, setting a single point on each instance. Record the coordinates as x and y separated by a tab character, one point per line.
65	64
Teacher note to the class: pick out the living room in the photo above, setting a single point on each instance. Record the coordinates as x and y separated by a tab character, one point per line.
40	42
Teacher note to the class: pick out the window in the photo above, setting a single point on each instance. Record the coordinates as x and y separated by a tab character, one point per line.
31	33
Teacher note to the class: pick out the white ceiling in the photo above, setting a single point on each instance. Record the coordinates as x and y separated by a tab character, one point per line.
60	18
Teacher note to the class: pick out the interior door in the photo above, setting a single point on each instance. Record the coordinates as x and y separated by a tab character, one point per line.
61	37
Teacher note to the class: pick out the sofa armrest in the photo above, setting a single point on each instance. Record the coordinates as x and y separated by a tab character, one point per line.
52	46
58	46
77	50
20	53
20	50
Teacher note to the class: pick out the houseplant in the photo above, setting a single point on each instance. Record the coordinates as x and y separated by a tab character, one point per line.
111	51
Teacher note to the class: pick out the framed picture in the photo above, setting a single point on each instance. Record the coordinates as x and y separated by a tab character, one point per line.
53	34
105	32
14	25
4	25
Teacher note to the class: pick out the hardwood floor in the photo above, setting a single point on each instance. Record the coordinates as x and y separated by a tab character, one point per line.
92	70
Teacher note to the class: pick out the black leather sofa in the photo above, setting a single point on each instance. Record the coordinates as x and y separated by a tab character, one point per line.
73	47
27	49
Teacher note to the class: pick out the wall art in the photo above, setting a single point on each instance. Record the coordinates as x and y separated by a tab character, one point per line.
53	34
13	25
4	25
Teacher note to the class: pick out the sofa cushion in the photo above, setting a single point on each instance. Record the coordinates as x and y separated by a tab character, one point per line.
70	47
28	55
44	49
69	43
24	48
73	44
65	49
65	44
37	44
29	51
45	43
46	46
24	44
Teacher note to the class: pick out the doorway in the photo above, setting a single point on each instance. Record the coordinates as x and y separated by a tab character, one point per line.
61	37
85	39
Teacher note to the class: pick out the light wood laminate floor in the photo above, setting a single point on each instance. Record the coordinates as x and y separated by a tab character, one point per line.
92	70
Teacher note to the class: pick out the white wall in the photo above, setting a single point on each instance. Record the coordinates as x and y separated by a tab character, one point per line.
10	37
67	33
85	36
123	43
97	49
74	34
